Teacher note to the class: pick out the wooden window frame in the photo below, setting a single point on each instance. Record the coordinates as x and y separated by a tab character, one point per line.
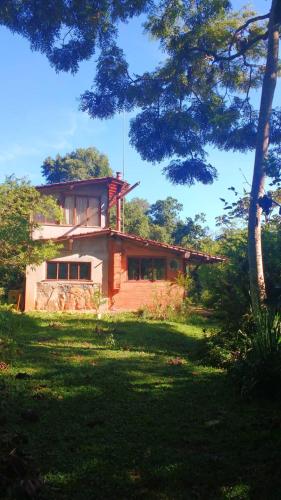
75	196
139	266
68	262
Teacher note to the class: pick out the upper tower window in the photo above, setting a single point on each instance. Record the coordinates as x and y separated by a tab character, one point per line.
82	210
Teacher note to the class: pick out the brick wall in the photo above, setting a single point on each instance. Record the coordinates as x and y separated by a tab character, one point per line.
132	295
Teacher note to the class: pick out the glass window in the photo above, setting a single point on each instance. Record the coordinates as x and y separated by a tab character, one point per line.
146	269
83	210
93	212
69	271
63	271
159	268
51	270
85	271
73	272
133	269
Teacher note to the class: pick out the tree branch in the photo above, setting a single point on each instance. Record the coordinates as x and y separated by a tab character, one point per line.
250	21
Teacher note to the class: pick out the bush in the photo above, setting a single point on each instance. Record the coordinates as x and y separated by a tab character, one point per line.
167	304
221	348
258	372
10	320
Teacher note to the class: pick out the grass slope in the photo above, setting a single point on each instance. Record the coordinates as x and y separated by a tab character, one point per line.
120	417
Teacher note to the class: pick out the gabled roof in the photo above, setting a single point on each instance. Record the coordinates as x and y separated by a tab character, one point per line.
84	182
185	252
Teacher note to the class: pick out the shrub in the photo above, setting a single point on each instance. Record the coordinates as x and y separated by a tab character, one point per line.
166	305
10	322
221	348
258	372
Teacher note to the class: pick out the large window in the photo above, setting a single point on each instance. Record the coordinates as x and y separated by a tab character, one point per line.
82	210
69	271
140	268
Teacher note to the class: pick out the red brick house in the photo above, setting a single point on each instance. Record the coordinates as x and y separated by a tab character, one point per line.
129	272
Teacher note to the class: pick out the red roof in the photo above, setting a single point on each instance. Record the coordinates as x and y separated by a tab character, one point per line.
187	252
96	180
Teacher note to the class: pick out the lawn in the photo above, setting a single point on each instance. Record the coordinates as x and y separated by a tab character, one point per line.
121	408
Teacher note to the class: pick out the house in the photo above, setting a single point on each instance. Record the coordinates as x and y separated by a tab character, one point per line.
97	261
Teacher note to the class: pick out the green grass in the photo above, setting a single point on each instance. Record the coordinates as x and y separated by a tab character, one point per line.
117	420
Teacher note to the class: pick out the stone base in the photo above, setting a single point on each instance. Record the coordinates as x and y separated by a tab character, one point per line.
58	296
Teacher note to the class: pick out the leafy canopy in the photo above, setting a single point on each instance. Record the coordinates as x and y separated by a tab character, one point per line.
200	96
77	165
161	221
19	202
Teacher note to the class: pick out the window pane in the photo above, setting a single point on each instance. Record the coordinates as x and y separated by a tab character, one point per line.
81	210
51	270
146	269
93	212
69	209
85	271
159	269
73	273
63	269
133	269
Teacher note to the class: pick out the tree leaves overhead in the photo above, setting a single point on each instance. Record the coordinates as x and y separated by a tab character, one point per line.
189	171
199	96
67	31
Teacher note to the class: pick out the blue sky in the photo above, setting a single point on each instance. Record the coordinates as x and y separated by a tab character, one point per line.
40	118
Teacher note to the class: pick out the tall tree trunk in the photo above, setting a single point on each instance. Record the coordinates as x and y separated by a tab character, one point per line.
257	282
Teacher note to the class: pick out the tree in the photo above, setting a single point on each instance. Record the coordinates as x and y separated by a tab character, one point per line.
136	220
78	165
191	232
161	221
165	213
201	95
19	202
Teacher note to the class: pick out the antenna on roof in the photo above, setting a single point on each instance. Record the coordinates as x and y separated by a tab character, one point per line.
123	169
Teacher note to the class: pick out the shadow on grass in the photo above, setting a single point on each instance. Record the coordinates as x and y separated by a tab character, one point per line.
123	423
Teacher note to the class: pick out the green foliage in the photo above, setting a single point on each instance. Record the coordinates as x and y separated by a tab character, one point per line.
10	320
223	346
191	232
67	32
136	219
97	299
258	372
199	96
19	202
165	213
77	165
225	287
11	325
161	222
